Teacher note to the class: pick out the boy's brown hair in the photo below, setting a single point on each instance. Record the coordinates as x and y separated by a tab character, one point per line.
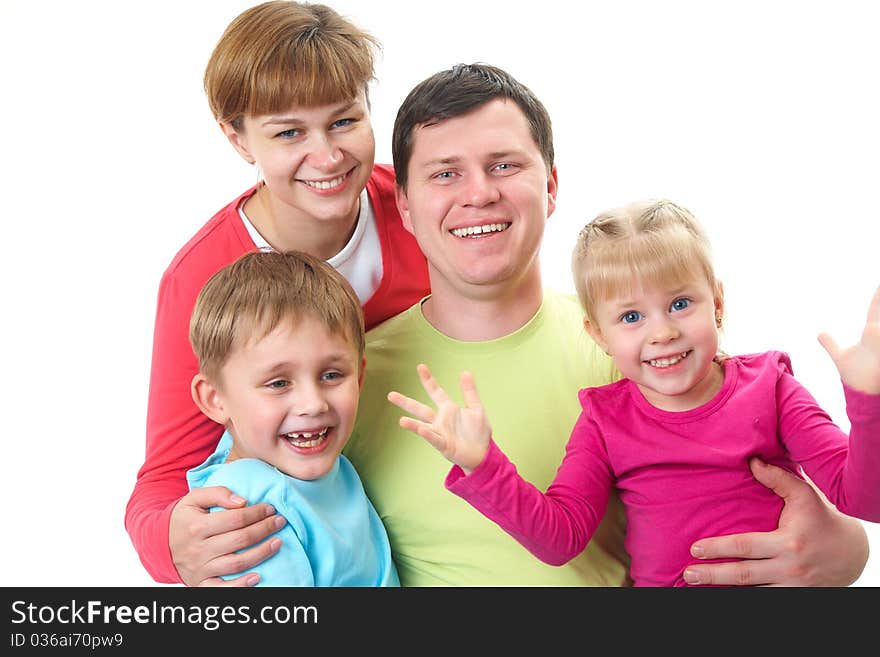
249	298
281	53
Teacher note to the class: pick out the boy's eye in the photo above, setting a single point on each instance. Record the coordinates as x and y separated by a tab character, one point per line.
680	304
278	384
331	376
631	317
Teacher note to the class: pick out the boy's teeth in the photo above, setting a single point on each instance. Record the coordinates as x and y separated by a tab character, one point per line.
481	230
307	438
325	184
666	362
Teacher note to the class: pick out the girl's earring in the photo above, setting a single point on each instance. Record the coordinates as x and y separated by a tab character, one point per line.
718	319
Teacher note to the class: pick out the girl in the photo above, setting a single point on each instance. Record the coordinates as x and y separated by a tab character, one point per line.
676	435
287	83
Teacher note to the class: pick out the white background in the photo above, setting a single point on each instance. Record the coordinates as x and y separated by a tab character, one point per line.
758	116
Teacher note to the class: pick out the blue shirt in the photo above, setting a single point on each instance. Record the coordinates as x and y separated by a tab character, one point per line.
333	535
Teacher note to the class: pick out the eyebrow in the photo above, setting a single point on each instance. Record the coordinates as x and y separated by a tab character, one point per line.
294	120
616	303
455	159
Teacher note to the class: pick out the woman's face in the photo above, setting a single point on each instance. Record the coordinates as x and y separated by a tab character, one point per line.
315	161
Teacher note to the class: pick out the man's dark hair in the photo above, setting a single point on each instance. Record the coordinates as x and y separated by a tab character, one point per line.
457	91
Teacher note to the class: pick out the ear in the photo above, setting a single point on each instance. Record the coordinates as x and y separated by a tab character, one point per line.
363	369
596	334
719	300
238	141
403	207
552	189
207	398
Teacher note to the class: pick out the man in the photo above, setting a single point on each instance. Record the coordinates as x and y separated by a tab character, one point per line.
473	154
476	182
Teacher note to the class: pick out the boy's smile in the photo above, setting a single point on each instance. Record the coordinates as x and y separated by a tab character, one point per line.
290	398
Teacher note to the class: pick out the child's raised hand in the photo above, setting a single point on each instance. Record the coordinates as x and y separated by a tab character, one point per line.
859	365
461	434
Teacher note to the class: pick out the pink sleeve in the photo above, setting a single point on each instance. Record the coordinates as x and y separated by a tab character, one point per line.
847	470
179	436
554	526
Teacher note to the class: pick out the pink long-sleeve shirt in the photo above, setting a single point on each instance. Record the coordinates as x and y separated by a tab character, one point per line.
684	476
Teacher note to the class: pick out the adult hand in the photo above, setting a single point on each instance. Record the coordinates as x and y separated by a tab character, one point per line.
814	545
205	545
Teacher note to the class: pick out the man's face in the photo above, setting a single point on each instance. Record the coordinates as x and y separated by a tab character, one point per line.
477	199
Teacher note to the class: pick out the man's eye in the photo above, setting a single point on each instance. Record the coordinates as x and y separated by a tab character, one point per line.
680	304
631	317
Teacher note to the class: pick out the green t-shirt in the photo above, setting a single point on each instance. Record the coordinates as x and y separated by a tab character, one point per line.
528	382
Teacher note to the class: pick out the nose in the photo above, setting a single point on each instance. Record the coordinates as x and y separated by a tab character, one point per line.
479	190
324	155
663	330
308	399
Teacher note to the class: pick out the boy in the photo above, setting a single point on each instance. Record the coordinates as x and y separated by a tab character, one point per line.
279	339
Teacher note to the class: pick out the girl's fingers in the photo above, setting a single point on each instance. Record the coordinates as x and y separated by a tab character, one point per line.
411	406
874	308
423	430
429	383
830	345
469	391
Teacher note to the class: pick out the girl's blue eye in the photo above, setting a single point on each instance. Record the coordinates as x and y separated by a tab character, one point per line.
631	317
288	134
680	304
341	123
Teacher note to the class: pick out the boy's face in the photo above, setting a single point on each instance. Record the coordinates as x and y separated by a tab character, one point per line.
315	160
664	338
291	398
478	197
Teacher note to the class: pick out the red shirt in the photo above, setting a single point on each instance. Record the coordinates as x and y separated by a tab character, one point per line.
179	436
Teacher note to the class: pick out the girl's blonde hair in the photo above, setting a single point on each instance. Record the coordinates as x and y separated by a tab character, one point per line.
281	53
651	242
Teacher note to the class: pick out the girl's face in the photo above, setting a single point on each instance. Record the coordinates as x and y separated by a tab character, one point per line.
315	161
664	338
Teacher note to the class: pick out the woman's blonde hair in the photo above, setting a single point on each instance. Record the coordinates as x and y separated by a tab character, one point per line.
249	298
281	53
652	242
